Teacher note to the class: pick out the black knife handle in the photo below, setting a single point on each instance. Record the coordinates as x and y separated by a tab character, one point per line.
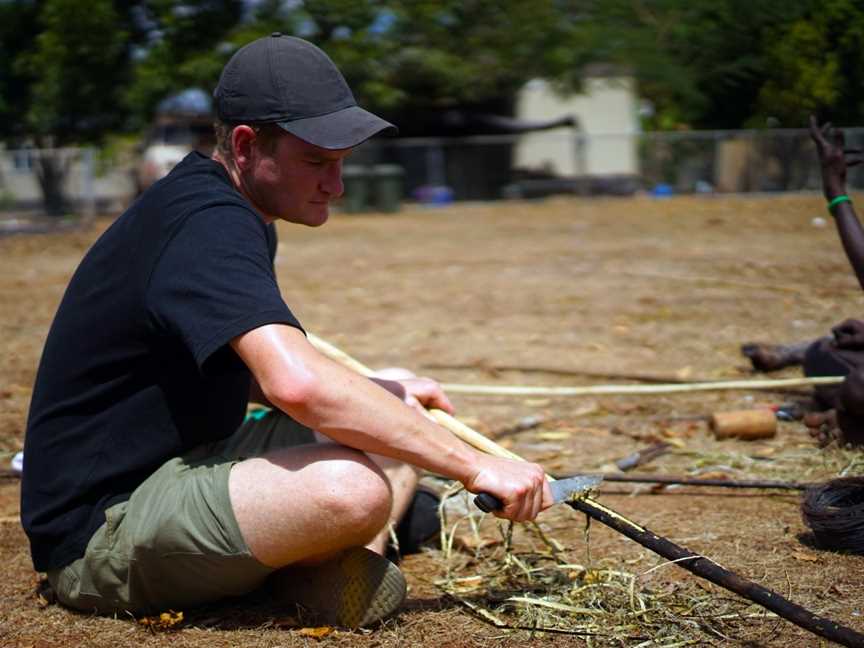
488	503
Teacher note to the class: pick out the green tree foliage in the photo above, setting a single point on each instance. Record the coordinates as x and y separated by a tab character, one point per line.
736	63
475	50
417	53
181	46
817	66
72	71
18	29
78	70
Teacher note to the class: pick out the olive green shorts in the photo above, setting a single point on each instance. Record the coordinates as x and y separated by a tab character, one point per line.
175	542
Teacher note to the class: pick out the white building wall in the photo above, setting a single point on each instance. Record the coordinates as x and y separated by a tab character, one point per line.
606	110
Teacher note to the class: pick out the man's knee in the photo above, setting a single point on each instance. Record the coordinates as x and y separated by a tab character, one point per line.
313	500
357	493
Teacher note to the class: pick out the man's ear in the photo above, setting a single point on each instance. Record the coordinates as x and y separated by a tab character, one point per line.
243	146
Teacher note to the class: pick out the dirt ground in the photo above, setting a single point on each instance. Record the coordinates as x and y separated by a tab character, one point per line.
666	288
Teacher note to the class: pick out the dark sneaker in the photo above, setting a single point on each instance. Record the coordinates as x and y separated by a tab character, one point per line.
419	525
357	589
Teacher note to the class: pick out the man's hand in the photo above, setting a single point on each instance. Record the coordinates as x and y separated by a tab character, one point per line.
849	334
833	156
521	486
419	393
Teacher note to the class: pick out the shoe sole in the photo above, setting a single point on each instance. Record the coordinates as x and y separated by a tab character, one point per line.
357	589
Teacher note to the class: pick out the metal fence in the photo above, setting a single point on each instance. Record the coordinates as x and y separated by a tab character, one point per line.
439	170
563	161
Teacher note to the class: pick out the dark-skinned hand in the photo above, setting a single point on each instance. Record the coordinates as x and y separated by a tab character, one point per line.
833	157
849	334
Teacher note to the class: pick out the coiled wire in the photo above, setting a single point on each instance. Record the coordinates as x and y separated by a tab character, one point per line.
834	511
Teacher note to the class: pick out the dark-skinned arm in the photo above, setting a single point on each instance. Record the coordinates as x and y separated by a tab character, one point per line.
834	159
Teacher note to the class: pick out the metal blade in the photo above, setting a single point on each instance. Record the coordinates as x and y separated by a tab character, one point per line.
566	489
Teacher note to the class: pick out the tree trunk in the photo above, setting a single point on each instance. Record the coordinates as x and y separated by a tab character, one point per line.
51	167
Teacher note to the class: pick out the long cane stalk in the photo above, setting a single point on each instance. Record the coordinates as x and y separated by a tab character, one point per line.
694	563
673	388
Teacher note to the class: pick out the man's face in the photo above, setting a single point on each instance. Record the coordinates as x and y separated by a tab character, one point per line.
296	180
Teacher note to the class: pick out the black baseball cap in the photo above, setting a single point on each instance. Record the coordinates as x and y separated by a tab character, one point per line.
291	82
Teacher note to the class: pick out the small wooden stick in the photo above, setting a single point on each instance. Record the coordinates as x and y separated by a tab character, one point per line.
523	424
642	456
695	481
694	563
724	385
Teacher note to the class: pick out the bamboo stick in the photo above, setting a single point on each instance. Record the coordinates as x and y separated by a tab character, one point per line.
723	385
558	371
694	563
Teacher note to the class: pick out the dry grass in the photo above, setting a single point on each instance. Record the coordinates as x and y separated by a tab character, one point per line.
631	286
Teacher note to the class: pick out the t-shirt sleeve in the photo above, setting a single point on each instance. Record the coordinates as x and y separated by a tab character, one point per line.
215	281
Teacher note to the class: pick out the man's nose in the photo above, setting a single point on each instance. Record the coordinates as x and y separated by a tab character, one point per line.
332	183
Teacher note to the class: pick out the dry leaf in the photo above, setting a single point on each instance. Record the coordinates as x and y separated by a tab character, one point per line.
318	632
684	373
165	621
594	431
468	584
806	557
763	452
586	409
677	430
555	435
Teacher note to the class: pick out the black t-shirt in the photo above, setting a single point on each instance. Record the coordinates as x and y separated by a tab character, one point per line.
137	367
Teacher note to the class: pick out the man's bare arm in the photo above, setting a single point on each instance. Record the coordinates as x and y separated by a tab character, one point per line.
359	413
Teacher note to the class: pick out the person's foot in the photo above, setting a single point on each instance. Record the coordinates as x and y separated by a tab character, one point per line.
354	590
771	357
420	524
823	427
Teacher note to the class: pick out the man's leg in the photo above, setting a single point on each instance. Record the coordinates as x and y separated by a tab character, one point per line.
403	480
178	542
307	511
773	357
308	503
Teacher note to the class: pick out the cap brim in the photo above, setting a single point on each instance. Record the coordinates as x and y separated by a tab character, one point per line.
341	129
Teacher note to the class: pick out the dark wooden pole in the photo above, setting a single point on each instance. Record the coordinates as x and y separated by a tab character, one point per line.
713	572
695	481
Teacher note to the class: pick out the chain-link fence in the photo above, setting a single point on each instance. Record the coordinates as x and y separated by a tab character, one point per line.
563	161
735	161
439	170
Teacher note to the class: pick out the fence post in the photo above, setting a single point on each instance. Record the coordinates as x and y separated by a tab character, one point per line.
89	172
